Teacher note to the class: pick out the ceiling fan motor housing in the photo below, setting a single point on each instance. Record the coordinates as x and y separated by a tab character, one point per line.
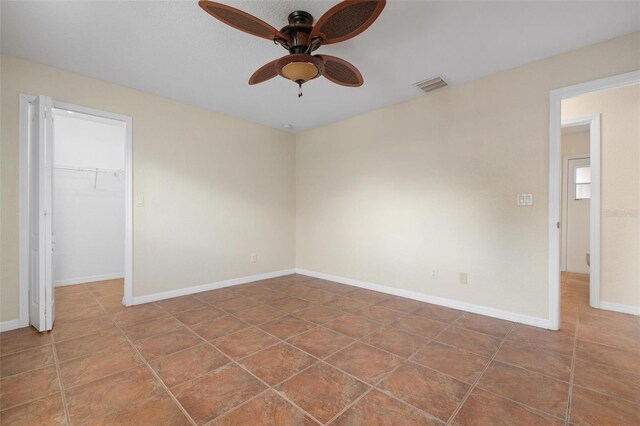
298	30
300	17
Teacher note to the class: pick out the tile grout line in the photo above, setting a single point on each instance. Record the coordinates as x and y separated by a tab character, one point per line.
28	401
269	389
62	390
124	344
371	388
85	354
280	341
572	373
477	380
57	361
137	403
356	340
25	350
374	386
56	364
617	398
286	342
408	359
153	372
235	362
526	407
628	401
32	369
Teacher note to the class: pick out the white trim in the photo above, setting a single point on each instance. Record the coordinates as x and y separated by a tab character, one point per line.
617	307
449	303
24	200
10	325
138	300
612	82
128	214
91	279
595	211
23	206
555	100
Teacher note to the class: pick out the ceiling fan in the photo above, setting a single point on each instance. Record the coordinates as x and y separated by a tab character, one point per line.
301	38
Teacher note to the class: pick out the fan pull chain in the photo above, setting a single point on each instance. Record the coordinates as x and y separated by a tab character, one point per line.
299	90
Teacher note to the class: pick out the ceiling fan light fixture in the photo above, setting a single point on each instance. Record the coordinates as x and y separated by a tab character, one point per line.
300	72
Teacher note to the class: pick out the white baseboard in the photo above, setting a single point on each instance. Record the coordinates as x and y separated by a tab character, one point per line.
90	279
138	300
449	303
9	325
617	307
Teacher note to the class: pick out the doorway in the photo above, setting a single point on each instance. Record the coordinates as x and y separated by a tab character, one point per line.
75	205
576	197
587	186
88	198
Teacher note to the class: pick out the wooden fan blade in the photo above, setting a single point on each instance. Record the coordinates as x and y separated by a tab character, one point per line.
264	73
241	20
347	19
341	72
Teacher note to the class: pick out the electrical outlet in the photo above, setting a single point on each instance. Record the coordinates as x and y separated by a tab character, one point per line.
525	200
254	258
434	274
139	201
464	278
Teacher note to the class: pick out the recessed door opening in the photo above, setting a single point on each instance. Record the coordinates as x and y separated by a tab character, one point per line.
88	209
594	187
575	218
75	188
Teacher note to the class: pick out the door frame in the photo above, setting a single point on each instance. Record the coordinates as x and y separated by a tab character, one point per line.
24	199
555	186
593	121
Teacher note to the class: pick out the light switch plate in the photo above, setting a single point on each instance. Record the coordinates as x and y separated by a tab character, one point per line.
139	201
525	200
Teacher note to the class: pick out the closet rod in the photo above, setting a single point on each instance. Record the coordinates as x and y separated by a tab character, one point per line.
86	169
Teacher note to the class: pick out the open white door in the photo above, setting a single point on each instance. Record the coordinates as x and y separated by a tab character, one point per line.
40	158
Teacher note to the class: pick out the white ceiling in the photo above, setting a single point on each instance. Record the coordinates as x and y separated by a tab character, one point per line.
174	49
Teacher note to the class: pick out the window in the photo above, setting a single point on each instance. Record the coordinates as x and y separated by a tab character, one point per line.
583	183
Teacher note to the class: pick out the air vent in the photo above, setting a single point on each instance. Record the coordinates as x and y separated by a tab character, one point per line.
431	84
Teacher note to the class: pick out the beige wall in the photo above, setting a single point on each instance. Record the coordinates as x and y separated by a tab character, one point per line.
620	160
389	196
385	197
575	143
216	189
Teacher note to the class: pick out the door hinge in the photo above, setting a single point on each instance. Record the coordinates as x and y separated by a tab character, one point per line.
558	225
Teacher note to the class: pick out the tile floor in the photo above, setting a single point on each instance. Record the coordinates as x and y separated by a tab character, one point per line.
298	350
